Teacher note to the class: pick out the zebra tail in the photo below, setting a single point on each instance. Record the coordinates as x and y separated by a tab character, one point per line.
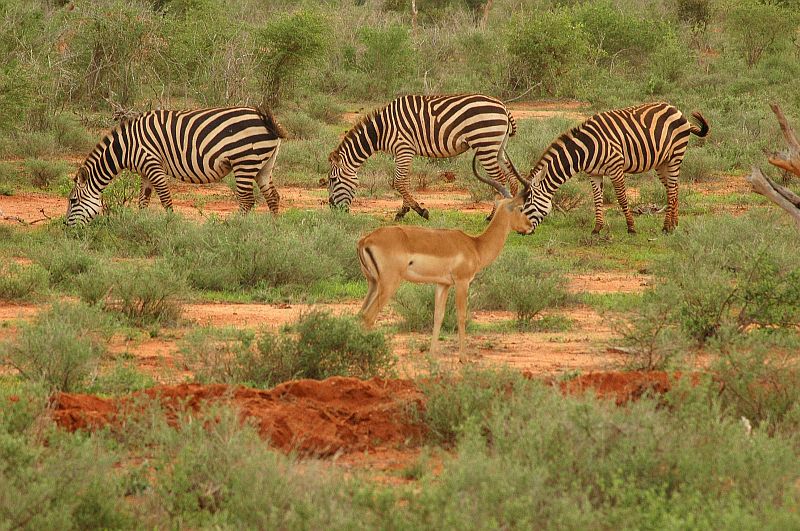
703	129
271	123
512	124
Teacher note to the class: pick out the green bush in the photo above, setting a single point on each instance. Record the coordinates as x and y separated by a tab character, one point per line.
325	109
43	173
415	305
729	275
758	28
324	346
62	347
64	260
760	380
292	41
123	192
19	282
547	48
522	284
387	58
300	125
70	134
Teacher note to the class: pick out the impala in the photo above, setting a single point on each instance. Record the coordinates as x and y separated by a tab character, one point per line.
442	257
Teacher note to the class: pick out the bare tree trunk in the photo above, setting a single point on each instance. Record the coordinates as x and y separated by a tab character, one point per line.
414	16
486	7
784	198
787	160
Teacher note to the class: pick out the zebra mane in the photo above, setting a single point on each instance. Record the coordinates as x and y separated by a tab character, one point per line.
349	135
566	135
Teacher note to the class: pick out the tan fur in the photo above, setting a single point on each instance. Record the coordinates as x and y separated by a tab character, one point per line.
441	257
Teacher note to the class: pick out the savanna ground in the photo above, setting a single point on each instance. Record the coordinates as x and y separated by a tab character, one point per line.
203	369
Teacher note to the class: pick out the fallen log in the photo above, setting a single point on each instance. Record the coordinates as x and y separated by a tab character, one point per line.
781	196
786	160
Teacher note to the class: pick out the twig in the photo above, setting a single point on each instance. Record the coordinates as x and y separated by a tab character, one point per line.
526	92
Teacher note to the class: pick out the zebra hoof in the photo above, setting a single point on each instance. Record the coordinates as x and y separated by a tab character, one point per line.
631	230
425	214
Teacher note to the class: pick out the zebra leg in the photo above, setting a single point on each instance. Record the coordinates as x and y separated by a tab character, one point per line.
244	192
597	197
266	185
401	183
158	179
668	174
622	197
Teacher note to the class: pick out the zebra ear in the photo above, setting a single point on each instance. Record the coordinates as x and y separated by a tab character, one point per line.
335	158
82	176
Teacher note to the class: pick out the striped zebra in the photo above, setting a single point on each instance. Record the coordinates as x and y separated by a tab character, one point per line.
198	146
613	143
429	126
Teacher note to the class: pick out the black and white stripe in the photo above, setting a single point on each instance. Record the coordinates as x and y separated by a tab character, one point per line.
198	146
613	143
429	126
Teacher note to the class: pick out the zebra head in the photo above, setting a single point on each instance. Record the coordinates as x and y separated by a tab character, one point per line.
342	182
538	202
84	202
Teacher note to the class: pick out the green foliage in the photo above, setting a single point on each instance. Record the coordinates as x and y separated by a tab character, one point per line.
758	28
123	378
522	284
387	59
325	109
415	305
300	125
292	41
44	173
110	51
324	346
547	48
144	294
61	348
19	282
760	381
64	260
694	12
122	192
730	275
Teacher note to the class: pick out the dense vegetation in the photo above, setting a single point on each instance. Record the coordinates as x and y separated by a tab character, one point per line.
514	453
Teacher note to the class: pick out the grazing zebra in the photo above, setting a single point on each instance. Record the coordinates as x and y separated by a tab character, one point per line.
199	146
430	126
631	140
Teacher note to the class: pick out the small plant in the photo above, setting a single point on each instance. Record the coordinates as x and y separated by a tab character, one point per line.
44	173
325	108
19	282
320	346
62	347
568	197
122	192
300	125
415	304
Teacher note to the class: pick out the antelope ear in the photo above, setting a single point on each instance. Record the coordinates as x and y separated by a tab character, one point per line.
335	158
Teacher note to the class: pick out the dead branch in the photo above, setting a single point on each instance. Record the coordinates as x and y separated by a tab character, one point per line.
776	193
786	160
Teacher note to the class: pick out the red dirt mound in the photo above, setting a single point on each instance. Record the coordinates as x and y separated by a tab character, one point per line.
311	417
621	386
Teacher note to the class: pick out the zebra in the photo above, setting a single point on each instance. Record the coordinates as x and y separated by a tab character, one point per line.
196	146
430	126
630	140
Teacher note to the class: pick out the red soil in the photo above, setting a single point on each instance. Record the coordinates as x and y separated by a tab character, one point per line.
337	416
320	418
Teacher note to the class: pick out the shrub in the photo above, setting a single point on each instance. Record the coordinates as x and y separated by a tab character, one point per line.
694	12
568	197
122	192
729	275
324	346
21	282
62	347
292	41
760	381
758	28
546	48
44	173
144	294
325	109
415	305
64	260
387	58
300	125
123	378
518	283
70	134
